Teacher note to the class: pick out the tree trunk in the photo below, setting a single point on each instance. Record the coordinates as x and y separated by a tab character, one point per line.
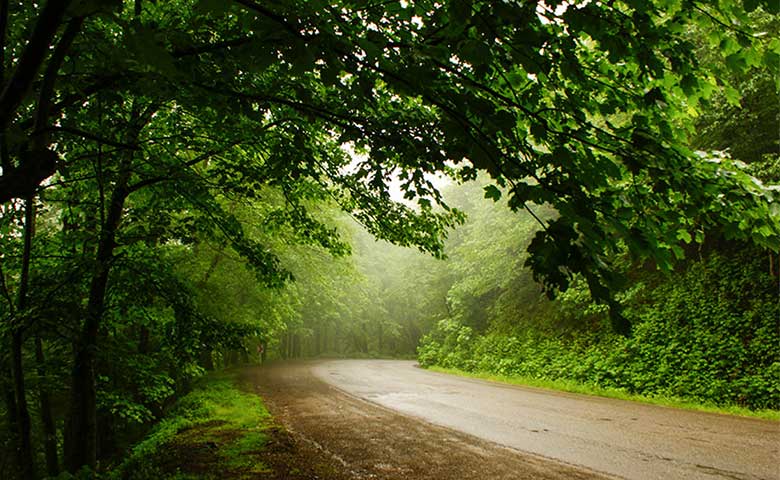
296	346
232	358
283	346
143	340
206	360
47	419
81	434
13	427
24	447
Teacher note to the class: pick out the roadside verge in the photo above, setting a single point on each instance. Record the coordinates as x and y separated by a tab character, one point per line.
218	431
594	390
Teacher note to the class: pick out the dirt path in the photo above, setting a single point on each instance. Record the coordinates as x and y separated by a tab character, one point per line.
335	436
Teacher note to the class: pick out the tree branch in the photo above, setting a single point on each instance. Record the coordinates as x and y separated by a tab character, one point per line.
286	24
5	160
32	58
92	136
210	47
49	78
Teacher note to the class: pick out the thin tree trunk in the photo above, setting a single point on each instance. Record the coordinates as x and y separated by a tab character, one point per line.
47	419
81	429
24	448
296	346
18	413
143	340
10	403
283	346
82	432
206	360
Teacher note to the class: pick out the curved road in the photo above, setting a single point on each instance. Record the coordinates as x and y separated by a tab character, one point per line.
619	438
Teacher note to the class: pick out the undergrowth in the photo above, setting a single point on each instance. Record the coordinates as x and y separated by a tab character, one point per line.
213	432
707	337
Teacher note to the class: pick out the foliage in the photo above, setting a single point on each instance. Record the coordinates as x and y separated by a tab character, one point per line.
559	108
708	335
215	405
743	119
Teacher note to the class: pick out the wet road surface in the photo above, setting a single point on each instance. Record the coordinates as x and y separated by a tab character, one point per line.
331	435
619	438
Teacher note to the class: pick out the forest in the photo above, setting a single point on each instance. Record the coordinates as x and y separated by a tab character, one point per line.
552	191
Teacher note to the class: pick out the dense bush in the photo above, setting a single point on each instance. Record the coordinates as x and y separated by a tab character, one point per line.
709	334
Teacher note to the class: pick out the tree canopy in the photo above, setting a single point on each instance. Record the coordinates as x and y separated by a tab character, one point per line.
585	107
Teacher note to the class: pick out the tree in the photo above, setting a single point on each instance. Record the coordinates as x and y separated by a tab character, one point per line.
429	83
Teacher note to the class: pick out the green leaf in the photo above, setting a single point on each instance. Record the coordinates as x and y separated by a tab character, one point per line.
684	236
732	95
736	62
372	50
460	11
492	192
215	8
82	8
475	52
690	85
750	5
301	59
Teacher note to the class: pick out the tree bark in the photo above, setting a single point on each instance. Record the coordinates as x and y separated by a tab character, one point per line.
20	83
10	403
24	448
47	419
5	160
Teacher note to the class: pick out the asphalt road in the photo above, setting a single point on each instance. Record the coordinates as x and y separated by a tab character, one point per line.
616	437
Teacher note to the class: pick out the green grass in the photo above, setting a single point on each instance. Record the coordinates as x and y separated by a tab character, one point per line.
587	389
216	423
237	453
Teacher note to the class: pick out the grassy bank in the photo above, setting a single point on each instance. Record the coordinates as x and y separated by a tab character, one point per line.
216	431
594	390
